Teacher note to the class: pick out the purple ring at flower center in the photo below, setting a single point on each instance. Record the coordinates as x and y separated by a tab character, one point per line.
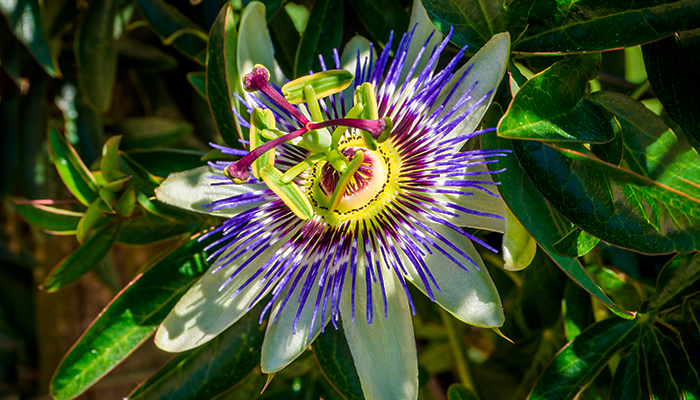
361	179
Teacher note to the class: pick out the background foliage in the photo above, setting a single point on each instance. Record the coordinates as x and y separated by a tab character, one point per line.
100	100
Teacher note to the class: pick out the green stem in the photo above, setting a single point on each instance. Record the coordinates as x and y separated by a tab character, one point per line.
639	91
458	348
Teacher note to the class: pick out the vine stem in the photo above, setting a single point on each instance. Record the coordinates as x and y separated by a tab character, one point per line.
459	351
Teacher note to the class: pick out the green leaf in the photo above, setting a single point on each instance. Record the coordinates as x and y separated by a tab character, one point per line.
335	361
576	243
651	148
380	17
587	25
577	309
96	55
552	106
73	172
222	79
148	132
143	180
670	63
611	203
474	21
146	230
124	206
541	292
173	27
10	139
82	260
627	382
162	162
211	368
140	56
82	124
670	374
198	81
519	247
54	220
457	391
24	18
619	287
109	165
535	214
129	319
678	279
582	359
285	38
92	215
323	33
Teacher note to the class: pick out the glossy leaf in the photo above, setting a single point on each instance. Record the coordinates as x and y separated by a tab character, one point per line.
380	17
162	162
52	219
679	278
142	231
627	382
670	373
611	203
578	363
211	368
198	82
618	286
586	25
143	180
576	243
323	33
222	79
535	214
552	106
109	165
457	391
82	260
670	63
541	293
96	54
577	309
148	132
137	55
174	27
129	319
25	19
335	361
519	247
651	148
73	172
474	21
285	37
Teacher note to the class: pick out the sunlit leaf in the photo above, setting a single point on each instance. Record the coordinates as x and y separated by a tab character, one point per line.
576	243
73	172
577	309
679	278
129	319
52	219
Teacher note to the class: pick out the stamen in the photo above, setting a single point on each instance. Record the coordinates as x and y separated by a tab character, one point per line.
258	79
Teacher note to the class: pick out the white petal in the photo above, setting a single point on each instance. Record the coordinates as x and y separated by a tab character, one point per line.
192	190
423	30
255	45
385	351
283	344
478	201
469	296
489	65
204	311
519	247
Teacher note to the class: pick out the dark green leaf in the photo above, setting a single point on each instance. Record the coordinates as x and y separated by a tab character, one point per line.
611	203
678	279
67	13
109	165
670	373
211	368
533	211
380	17
9	139
587	25
140	56
124	206
335	361
11	60
222	79
619	287
73	172
25	19
651	148
577	309
541	292
671	63
285	39
35	167
162	162
474	21
146	230
173	27
148	132
460	392
82	260
107	274
49	218
96	55
130	319
143	180
198	81
323	33
627	382
552	106
578	363
576	243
